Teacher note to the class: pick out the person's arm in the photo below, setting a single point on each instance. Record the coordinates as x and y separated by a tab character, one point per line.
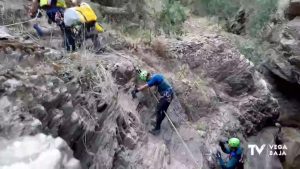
230	164
142	87
224	148
34	7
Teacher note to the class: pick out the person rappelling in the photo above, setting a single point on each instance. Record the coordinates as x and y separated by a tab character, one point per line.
235	151
166	95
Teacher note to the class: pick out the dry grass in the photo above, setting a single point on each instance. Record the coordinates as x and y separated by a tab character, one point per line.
97	86
160	47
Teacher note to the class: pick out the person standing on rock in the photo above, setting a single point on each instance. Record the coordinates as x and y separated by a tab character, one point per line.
54	10
232	147
166	95
50	6
82	16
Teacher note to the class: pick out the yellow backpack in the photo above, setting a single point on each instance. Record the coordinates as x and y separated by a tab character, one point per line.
59	3
87	13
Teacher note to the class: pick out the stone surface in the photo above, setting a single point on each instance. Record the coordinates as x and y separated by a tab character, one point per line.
294	8
123	72
266	136
295	60
217	94
4	33
290	36
35	152
291	138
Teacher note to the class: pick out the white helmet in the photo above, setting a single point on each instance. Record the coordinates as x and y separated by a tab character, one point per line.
76	2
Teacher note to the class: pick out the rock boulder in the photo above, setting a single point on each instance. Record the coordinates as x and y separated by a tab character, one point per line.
40	151
294	8
291	138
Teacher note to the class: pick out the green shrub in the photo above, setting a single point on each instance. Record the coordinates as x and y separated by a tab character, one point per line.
252	50
259	12
262	12
222	8
172	17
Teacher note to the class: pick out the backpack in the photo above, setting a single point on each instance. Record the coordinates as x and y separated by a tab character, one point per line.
88	15
79	15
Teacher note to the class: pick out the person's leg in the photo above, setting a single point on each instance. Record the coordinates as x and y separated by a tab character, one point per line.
161	109
93	35
96	41
70	41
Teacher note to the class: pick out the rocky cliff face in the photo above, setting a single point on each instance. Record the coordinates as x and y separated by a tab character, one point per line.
85	99
283	73
77	98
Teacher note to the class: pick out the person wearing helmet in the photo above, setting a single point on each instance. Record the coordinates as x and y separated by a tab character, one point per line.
54	10
232	147
52	7
81	14
164	89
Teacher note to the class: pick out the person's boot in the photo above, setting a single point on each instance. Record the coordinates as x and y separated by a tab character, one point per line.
155	131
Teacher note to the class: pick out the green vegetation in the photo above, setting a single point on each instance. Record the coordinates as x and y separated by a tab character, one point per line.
252	50
171	18
259	12
261	16
222	8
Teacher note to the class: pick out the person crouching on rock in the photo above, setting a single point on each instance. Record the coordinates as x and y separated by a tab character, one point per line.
84	19
165	90
232	147
52	8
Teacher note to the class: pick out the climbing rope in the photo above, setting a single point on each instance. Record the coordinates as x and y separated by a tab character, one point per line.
19	23
180	137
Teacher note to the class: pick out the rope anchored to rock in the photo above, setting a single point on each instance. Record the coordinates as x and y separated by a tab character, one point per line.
22	22
180	137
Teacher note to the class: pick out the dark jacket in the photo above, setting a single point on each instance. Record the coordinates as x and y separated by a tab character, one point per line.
234	157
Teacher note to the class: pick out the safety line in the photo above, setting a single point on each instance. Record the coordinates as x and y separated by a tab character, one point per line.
19	23
183	142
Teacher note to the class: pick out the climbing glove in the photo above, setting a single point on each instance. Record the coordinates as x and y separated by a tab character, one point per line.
134	92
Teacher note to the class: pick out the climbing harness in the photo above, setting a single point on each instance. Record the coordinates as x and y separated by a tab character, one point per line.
180	137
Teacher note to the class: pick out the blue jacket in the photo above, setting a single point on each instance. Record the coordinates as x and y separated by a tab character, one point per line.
162	84
234	158
52	11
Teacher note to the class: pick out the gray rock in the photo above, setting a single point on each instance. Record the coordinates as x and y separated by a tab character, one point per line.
42	150
39	112
290	36
4	33
295	60
294	8
291	138
123	72
129	142
240	84
53	54
11	85
264	161
279	66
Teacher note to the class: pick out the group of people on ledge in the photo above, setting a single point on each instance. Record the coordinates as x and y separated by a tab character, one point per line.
81	16
77	22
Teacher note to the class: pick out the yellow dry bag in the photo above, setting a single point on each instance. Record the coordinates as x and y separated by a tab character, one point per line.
88	15
98	27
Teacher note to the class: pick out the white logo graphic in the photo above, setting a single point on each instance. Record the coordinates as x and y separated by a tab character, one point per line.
259	150
272	150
